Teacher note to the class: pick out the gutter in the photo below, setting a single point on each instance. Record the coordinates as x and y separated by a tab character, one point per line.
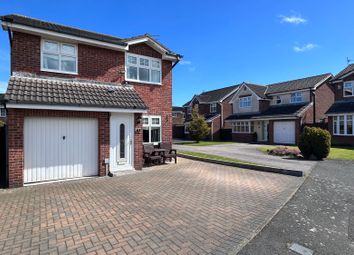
178	59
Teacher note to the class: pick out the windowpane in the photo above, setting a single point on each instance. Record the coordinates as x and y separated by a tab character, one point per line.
51	47
68	49
144	62
341	125
155	121
335	129
132	60
348	89
146	135
144	74
132	73
155	64
122	141
145	121
155	134
155	76
51	61
68	64
349	124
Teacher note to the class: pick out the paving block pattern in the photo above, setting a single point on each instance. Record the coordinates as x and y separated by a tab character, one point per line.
188	208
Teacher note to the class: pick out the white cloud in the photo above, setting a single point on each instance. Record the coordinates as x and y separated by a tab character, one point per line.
292	19
307	47
185	62
3	86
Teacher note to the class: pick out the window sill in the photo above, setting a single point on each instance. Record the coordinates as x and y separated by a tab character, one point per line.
62	72
144	82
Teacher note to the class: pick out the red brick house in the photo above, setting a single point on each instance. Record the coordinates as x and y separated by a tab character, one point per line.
341	113
275	113
79	103
214	106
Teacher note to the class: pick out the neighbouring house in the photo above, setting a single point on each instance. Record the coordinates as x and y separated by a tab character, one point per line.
275	113
341	113
214	106
79	102
178	117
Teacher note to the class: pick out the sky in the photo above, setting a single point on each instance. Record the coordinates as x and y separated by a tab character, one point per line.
223	42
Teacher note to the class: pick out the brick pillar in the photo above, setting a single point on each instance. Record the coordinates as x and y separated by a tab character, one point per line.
15	122
271	132
138	142
103	142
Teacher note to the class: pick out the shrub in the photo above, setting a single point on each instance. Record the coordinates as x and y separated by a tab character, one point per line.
285	151
198	128
315	141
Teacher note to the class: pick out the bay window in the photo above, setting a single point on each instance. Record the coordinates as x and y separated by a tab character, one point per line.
152	129
245	102
296	97
343	125
143	69
348	89
242	127
58	57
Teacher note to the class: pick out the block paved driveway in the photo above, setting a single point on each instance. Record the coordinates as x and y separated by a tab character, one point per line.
188	208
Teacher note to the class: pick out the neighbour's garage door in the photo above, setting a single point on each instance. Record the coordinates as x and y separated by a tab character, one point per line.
284	132
60	148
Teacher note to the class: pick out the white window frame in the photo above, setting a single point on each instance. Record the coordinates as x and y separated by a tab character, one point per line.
245	102
2	112
245	124
137	65
278	98
186	126
150	125
336	125
352	85
296	97
60	56
213	108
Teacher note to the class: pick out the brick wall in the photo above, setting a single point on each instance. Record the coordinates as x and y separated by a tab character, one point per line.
242	138
16	146
216	126
226	111
179	119
324	100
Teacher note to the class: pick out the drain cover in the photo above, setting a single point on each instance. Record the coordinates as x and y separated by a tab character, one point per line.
300	249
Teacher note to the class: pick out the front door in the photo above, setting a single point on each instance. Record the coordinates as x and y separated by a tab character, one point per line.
122	140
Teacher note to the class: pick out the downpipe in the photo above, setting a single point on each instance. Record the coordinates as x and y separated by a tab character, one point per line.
108	172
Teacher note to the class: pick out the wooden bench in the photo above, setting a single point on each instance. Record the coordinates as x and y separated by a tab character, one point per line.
150	155
169	152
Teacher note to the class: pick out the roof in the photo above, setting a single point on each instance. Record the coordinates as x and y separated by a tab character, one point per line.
259	90
211	117
348	69
55	91
216	95
299	84
289	110
177	109
54	27
341	107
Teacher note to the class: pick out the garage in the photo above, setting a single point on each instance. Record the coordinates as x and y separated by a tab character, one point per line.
59	148
284	132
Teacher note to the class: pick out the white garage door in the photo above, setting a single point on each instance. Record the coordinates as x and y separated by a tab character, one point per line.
60	148
284	132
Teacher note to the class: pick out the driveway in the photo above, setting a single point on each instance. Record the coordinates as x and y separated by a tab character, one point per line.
248	152
320	216
188	208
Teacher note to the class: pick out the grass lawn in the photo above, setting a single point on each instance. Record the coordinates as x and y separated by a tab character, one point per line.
203	143
214	157
344	153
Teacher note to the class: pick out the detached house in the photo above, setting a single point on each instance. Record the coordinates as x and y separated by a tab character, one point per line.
79	103
341	113
275	113
214	106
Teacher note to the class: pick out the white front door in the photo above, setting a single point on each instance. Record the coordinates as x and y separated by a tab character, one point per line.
59	148
122	142
284	132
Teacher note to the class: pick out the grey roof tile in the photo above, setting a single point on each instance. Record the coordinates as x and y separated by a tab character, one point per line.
215	95
299	84
341	107
348	69
42	90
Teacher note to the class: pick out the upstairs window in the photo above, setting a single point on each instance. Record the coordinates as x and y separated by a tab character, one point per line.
277	100
189	110
143	69
245	102
213	108
349	89
174	115
2	112
58	57
296	97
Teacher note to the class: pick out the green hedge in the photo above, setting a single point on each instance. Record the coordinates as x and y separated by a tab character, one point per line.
315	141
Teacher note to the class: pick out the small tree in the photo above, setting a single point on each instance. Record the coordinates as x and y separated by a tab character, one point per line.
315	141
198	127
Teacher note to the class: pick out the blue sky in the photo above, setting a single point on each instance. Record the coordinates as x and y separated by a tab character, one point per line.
223	42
